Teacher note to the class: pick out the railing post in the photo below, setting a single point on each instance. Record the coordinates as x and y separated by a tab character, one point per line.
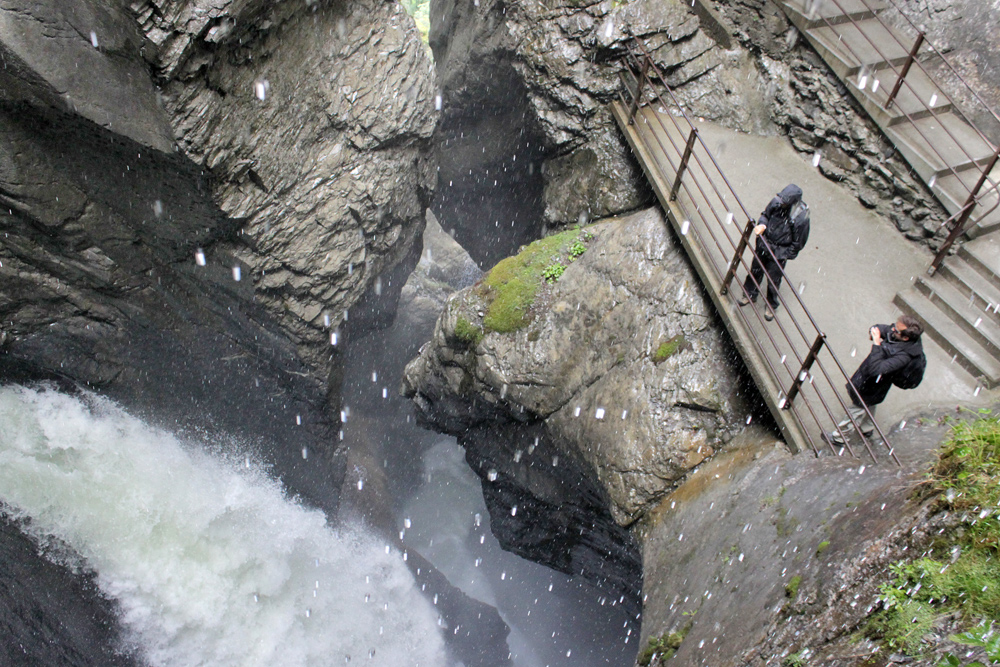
963	216
906	69
684	163
638	91
735	264
803	373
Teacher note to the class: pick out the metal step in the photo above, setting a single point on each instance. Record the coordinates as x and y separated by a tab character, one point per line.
983	254
913	100
977	324
850	46
935	144
815	13
967	352
974	286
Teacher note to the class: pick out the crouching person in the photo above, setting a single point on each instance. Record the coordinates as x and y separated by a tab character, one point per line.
896	358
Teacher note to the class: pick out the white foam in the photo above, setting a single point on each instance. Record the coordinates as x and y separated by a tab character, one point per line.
210	564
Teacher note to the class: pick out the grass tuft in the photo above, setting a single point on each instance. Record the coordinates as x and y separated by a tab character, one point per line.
467	332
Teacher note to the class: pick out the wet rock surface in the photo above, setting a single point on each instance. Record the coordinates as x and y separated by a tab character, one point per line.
586	365
526	86
313	120
572	426
51	614
803	542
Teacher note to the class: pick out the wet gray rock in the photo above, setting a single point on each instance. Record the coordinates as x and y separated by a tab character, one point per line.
586	366
313	120
528	84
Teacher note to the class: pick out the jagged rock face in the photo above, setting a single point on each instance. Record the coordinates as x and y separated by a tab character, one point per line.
548	71
313	120
585	365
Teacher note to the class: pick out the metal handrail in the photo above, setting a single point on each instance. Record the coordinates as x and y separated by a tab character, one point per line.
816	342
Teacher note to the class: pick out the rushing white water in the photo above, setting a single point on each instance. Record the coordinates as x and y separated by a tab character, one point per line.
209	564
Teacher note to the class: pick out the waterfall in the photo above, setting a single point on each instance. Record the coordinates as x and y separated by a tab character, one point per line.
207	560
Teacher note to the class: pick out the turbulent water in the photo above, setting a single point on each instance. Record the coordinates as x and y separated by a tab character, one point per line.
207	560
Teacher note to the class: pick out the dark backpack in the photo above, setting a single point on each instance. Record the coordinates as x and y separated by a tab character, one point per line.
910	375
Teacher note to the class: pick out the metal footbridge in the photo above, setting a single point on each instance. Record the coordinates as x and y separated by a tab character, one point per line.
798	374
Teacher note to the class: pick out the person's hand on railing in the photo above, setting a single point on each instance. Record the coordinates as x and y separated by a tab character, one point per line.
759	229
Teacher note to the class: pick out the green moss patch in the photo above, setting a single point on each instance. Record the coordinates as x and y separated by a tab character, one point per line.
663	646
823	546
792	587
669	348
511	287
467	332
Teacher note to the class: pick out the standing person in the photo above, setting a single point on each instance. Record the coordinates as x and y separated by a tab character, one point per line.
784	228
896	358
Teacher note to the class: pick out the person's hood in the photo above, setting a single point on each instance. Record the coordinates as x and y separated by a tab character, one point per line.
791	195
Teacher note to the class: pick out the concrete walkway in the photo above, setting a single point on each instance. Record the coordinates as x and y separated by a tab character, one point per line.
852	268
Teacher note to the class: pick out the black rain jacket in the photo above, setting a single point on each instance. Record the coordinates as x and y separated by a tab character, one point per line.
874	376
784	238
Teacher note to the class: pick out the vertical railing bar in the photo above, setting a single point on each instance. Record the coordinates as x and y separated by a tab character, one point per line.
684	163
906	69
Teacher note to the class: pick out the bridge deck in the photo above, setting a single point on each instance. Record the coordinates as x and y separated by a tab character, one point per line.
847	276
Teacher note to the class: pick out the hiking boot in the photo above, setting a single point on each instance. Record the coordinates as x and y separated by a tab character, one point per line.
769	315
744	300
834	439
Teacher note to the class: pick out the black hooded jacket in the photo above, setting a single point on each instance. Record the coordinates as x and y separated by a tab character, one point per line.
785	238
875	374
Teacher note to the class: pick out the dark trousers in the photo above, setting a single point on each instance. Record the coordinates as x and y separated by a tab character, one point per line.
765	264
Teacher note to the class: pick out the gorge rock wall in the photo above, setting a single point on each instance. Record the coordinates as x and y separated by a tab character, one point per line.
313	120
188	190
586	417
526	87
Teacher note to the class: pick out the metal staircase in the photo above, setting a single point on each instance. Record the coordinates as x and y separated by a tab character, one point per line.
882	67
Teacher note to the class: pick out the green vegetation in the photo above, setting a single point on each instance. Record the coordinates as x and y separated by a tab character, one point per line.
467	332
664	646
553	272
792	587
577	249
511	286
420	10
823	546
669	348
796	659
960	573
983	636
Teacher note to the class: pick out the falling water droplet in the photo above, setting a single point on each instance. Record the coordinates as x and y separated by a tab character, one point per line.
361	484
199	257
513	510
93	39
492	475
599	414
305	452
236	273
684	227
260	88
437	103
816	158
555	461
